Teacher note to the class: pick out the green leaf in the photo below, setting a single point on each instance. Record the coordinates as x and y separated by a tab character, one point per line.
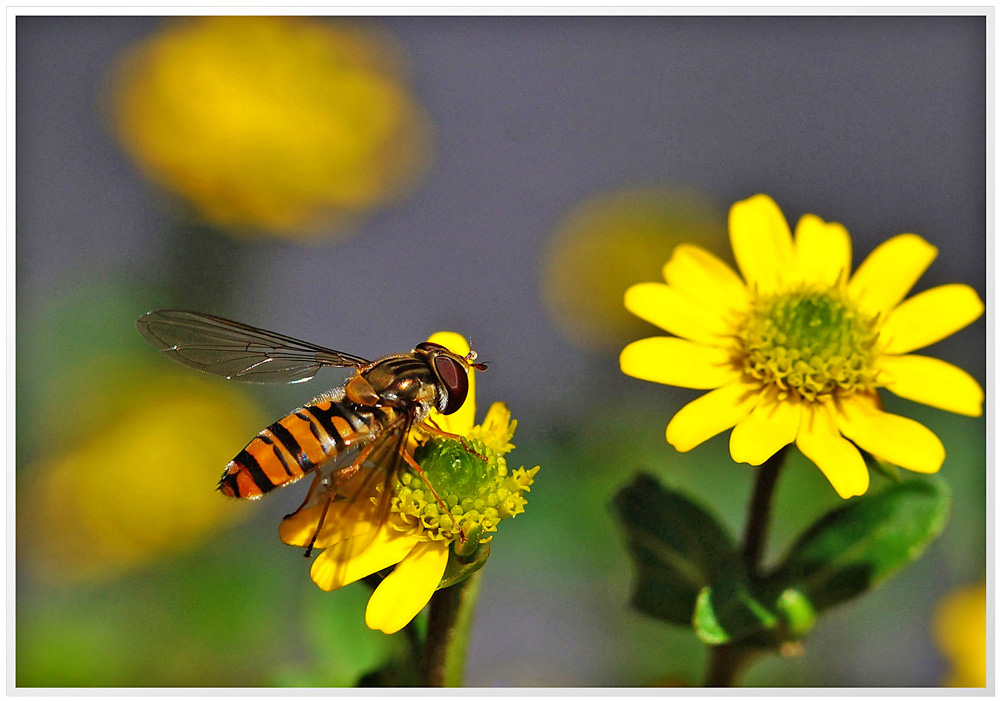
740	610
677	546
857	546
729	611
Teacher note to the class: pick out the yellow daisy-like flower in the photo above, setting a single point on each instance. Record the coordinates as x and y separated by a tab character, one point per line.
139	487
418	538
796	349
611	241
281	125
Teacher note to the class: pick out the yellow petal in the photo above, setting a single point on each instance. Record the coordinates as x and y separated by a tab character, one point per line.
497	429
928	317
711	414
358	557
454	342
674	361
933	382
771	426
408	588
893	438
822	251
677	313
462	421
700	275
889	272
762	243
344	519
838	459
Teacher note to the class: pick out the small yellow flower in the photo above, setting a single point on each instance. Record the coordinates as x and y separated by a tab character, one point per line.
141	485
611	241
796	350
960	629
280	125
417	538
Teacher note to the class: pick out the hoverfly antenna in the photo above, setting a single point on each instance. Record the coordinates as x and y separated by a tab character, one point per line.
471	357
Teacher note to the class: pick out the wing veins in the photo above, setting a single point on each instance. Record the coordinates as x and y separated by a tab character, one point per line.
237	351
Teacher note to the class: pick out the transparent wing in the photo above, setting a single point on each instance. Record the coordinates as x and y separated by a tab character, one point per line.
364	498
237	351
382	464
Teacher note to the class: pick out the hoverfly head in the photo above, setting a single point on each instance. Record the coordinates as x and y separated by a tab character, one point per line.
452	373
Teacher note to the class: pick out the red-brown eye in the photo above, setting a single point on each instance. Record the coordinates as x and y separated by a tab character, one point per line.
455	380
428	346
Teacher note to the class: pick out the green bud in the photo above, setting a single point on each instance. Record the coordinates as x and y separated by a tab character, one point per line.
460	567
796	613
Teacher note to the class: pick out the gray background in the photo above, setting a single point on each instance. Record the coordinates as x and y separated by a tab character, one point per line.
876	122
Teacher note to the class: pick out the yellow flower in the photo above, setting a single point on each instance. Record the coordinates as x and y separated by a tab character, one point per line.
614	240
141	486
960	629
417	538
284	125
796	349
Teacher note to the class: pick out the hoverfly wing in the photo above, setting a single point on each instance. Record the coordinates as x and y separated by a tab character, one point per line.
237	351
365	497
388	459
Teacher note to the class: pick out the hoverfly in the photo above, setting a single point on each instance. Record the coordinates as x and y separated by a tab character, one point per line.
363	424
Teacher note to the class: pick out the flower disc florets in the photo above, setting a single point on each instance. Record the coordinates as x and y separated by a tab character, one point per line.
809	342
473	481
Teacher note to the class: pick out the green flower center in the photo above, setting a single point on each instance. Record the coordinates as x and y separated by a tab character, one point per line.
812	343
477	493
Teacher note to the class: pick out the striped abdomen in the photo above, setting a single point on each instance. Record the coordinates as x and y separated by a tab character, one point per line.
290	448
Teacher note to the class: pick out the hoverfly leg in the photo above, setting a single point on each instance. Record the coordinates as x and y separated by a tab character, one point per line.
319	526
430	427
339	477
473	451
312	488
413	463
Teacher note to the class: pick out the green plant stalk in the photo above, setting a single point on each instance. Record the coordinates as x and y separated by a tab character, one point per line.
759	512
449	627
725	662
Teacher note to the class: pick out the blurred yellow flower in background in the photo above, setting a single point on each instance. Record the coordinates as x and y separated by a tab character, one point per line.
795	350
283	125
141	486
614	240
960	628
417	539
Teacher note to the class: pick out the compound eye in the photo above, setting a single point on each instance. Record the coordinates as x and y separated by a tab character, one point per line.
428	346
455	380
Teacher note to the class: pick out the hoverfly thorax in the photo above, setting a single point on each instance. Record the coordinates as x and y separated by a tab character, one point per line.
402	381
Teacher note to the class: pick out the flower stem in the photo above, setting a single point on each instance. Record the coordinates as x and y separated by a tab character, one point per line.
726	661
448	631
759	514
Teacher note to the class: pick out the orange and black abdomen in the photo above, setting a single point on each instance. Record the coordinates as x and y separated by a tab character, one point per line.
290	448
